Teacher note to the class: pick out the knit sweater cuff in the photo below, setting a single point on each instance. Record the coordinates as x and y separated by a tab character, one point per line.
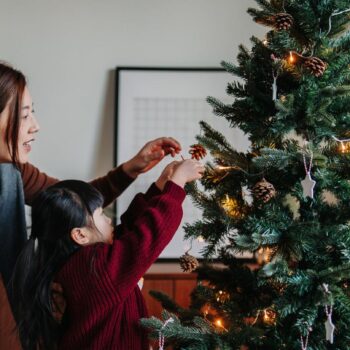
121	177
175	191
152	191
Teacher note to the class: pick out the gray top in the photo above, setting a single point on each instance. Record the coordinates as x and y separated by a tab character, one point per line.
12	218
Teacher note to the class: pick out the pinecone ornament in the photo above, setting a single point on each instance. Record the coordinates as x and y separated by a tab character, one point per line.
197	152
188	263
264	191
315	65
283	21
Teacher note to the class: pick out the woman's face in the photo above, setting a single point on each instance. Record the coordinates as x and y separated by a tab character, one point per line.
28	127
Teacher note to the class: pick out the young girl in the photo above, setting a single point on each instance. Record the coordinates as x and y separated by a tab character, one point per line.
74	244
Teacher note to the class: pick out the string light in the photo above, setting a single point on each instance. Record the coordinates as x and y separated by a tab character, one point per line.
264	255
222	296
344	144
269	317
343	148
291	57
219	324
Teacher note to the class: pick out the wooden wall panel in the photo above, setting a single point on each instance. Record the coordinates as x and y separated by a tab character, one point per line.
177	285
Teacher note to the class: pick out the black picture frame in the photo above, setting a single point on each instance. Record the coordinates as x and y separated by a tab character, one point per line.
118	88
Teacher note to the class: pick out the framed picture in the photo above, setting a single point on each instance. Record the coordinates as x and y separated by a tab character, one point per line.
155	102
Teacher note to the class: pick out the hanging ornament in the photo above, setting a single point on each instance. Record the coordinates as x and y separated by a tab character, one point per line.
247	195
330	328
276	69
283	21
232	207
188	263
263	191
305	340
197	151
161	336
308	183
316	66
274	87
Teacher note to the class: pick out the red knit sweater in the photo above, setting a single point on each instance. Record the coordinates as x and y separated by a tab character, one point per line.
104	302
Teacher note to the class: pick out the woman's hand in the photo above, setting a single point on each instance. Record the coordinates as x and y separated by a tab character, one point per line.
150	155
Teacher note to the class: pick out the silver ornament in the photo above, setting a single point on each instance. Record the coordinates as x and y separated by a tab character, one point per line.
308	185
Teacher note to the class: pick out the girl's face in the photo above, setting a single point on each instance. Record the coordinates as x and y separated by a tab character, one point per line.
28	127
103	225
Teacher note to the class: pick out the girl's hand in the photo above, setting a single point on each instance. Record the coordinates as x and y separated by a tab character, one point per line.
187	171
150	155
166	174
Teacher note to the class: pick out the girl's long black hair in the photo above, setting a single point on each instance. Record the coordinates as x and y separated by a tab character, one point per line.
56	211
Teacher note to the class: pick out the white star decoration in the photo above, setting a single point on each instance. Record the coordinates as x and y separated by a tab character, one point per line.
329	329
308	186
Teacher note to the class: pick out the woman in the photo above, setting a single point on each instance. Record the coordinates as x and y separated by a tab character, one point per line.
20	181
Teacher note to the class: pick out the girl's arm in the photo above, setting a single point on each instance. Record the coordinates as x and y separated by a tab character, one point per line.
139	203
110	185
137	206
129	257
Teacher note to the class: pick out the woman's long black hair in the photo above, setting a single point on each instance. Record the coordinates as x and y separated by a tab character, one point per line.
55	212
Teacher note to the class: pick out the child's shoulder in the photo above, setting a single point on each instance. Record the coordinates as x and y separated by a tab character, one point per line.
84	255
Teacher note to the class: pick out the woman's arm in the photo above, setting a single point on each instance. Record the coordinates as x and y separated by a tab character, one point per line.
111	185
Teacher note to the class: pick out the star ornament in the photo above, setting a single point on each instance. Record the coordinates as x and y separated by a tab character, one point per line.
329	329
308	185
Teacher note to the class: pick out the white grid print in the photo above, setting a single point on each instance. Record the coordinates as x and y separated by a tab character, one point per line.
178	118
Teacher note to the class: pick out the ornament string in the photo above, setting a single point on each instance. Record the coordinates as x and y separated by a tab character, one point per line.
284	9
308	169
240	169
328	310
304	341
161	336
189	248
333	15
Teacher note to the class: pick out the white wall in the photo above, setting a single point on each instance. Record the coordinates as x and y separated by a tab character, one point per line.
69	48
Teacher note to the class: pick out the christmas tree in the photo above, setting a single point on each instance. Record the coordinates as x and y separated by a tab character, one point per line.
286	200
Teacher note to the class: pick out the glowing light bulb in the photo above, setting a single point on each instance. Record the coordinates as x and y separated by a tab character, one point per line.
291	57
218	323
200	239
343	148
